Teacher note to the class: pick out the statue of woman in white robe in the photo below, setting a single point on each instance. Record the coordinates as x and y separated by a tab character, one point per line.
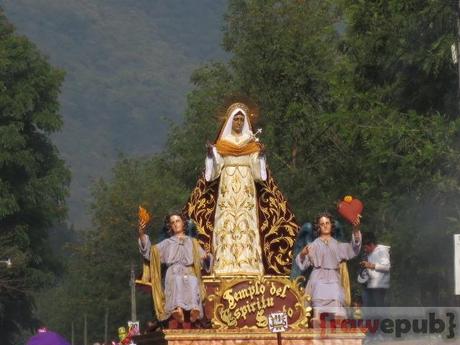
238	159
241	216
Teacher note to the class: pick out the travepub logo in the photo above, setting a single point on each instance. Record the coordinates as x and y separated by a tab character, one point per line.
400	323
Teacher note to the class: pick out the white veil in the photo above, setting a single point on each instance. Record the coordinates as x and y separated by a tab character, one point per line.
227	129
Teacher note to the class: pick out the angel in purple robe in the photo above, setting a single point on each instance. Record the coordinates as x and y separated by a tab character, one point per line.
183	289
325	254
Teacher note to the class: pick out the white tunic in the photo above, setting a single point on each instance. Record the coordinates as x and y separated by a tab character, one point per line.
379	278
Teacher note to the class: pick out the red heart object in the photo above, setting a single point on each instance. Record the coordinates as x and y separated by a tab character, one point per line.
350	210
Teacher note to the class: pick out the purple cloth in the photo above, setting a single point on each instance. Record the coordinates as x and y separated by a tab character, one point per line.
47	338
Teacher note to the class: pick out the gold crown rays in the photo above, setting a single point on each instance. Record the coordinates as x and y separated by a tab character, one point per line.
237	105
237	101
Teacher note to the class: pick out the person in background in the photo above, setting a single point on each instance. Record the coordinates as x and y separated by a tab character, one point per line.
375	275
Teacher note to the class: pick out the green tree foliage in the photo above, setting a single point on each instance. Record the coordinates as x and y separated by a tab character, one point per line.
401	49
33	179
403	113
98	273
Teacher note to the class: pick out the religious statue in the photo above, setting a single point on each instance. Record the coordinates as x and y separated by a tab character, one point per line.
325	254
183	289
240	214
239	161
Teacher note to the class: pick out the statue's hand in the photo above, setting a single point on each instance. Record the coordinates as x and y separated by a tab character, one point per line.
209	147
142	226
357	223
305	251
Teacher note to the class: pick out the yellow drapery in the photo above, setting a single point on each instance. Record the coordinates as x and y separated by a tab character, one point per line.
197	266
226	148
152	274
345	280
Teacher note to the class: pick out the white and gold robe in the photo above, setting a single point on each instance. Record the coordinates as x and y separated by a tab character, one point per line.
236	238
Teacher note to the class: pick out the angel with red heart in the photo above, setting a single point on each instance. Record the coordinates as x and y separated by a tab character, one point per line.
327	256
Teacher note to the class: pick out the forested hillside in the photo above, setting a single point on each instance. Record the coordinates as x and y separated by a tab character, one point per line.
127	65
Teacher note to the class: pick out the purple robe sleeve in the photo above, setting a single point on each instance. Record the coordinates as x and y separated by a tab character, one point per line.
348	251
144	249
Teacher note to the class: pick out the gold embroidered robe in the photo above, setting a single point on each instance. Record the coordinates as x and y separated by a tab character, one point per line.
236	239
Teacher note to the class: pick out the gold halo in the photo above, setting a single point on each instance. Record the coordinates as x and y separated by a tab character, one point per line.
246	103
237	105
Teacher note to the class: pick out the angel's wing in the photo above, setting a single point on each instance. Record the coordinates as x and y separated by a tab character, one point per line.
305	236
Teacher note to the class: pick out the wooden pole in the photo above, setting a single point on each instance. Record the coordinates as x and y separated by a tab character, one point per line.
72	334
132	283
106	325
85	330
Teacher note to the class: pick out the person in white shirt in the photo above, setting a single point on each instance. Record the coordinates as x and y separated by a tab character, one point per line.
376	271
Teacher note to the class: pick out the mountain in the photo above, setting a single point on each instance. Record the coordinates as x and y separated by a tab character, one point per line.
127	65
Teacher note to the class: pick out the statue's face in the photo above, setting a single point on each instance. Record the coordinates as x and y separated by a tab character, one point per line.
238	122
325	226
177	224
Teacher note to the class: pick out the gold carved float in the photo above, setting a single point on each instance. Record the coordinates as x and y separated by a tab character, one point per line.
246	302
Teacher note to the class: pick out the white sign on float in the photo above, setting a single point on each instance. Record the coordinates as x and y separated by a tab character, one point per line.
457	263
277	322
453	49
134	328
